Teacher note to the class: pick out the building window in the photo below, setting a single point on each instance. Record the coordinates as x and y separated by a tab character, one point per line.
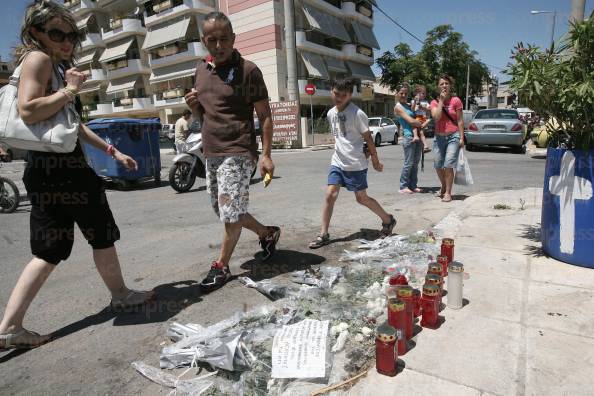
501	99
322	39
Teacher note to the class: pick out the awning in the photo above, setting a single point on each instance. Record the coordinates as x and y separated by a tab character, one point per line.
116	52
335	65
120	85
315	65
83	22
365	35
326	23
167	34
173	72
361	71
87	58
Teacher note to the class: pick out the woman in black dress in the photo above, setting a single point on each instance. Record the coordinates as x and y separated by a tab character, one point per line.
62	188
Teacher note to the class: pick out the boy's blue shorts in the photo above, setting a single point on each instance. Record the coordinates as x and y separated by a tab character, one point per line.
352	180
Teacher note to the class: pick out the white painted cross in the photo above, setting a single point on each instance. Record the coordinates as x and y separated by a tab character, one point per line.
569	188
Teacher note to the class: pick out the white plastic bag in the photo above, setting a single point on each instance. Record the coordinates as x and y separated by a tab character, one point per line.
57	134
463	175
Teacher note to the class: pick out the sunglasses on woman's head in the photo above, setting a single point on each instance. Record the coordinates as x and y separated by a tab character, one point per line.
58	36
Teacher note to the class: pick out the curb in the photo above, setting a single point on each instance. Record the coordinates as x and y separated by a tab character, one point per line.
322	147
452	222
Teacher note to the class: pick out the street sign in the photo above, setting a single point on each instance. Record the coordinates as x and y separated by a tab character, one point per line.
285	116
310	89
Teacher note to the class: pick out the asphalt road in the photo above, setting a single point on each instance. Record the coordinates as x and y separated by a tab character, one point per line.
168	241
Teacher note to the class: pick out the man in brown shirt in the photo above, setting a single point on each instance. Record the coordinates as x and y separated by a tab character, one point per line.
228	89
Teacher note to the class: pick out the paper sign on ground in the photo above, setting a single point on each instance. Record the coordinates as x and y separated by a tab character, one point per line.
299	350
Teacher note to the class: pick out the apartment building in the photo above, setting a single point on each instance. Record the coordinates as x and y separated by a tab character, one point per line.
334	39
140	55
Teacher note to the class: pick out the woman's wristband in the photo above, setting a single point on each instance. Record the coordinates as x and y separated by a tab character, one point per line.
110	150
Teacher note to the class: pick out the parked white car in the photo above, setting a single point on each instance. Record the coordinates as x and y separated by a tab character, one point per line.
383	130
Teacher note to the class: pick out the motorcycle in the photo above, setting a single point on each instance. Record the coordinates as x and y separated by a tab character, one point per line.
9	196
189	164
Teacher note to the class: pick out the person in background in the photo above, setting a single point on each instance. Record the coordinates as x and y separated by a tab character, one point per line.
449	135
182	129
412	148
62	188
420	107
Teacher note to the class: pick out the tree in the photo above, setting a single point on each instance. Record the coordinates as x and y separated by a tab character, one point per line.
443	51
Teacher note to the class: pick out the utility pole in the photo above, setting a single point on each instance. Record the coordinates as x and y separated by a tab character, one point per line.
292	87
553	29
578	8
467	84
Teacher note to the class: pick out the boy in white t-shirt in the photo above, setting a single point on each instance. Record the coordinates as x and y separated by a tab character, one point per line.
350	127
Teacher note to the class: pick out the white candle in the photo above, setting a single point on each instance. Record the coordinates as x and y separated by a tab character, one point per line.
455	284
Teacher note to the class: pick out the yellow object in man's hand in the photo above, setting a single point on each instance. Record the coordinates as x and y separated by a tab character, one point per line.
267	179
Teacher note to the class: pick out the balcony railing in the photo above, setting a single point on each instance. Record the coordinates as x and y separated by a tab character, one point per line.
169	9
350	52
133	104
92	40
303	42
123	27
94	75
172	94
79	7
101	109
361	12
125	67
176	53
116	65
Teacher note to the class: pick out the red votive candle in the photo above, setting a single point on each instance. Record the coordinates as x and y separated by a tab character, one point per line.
397	319
398	279
447	248
417	300
444	262
433	279
386	356
430	307
405	293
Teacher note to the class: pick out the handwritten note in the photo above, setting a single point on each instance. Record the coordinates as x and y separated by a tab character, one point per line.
299	350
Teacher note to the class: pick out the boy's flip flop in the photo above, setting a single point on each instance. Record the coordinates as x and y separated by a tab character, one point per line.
321	240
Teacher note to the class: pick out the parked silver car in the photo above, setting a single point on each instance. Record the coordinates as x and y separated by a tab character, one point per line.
382	130
496	127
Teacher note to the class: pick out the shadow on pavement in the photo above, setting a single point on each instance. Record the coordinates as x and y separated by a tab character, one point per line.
532	233
170	299
363	233
459	197
283	261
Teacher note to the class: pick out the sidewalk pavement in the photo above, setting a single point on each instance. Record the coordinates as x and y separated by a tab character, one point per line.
528	327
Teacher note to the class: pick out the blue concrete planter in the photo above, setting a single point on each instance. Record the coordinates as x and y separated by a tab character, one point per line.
568	207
